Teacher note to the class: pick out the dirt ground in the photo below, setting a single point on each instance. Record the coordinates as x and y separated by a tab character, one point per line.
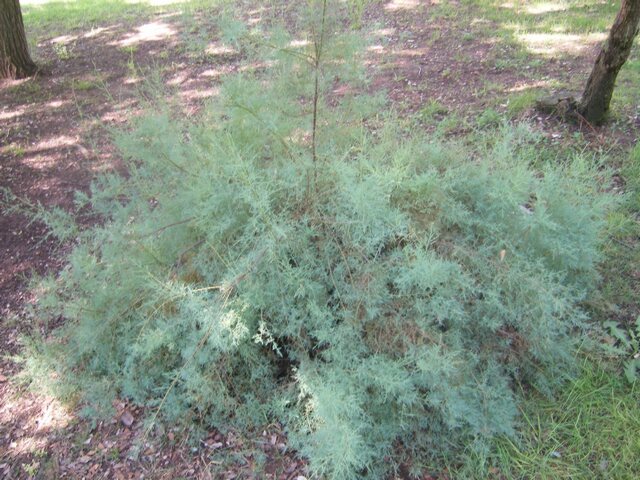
54	139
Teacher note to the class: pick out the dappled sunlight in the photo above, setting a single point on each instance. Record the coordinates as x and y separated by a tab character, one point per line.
255	16
52	415
56	103
64	39
49	415
384	32
53	142
152	3
216	49
411	52
545	7
551	44
179	78
212	73
37	2
132	80
119	113
149	32
158	3
395	5
299	43
257	11
94	32
522	86
26	445
199	93
39	155
13	113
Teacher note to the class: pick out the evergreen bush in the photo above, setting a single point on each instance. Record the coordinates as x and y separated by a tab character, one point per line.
381	294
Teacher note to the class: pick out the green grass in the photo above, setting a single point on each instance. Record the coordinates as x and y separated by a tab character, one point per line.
591	431
506	23
84	84
522	101
620	291
59	17
30	90
62	17
15	150
545	16
432	111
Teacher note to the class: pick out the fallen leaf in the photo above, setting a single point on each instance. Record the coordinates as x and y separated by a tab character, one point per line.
2	378
84	459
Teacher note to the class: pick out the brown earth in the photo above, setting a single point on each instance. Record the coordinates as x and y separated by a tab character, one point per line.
54	139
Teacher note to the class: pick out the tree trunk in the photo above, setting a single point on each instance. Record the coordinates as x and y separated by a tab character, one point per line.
597	94
15	61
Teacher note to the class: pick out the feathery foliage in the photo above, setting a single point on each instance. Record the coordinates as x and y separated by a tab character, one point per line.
376	291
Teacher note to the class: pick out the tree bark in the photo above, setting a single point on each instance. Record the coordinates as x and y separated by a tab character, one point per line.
596	98
15	61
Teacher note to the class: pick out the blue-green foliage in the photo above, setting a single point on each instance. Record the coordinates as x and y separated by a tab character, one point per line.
381	301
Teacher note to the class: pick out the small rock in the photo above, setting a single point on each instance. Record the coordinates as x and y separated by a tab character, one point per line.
126	418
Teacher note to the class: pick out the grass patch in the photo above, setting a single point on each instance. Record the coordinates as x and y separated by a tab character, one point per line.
29	89
522	101
592	430
60	16
15	150
432	111
620	287
57	17
585	16
527	34
83	85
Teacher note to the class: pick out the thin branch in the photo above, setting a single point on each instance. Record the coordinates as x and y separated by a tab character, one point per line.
162	229
318	56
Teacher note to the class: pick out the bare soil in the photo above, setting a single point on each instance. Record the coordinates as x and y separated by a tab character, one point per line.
54	139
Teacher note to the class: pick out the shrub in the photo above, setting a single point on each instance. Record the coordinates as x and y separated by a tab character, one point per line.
377	292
